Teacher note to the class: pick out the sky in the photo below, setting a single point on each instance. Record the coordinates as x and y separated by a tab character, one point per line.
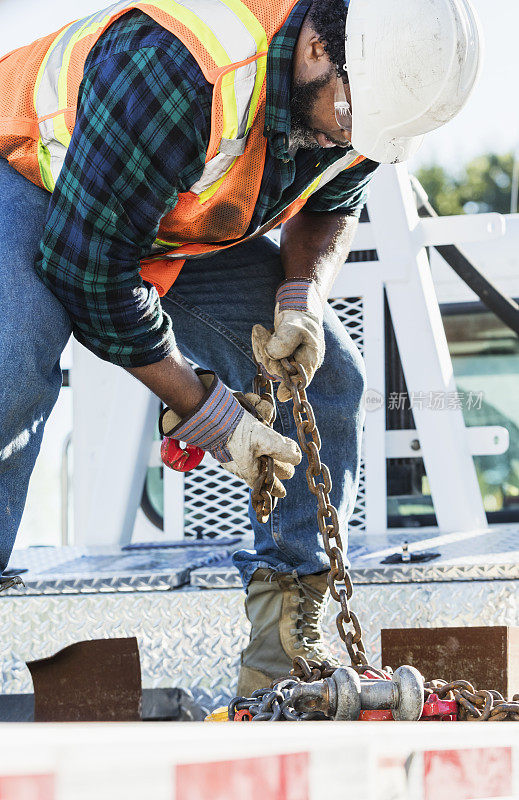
490	121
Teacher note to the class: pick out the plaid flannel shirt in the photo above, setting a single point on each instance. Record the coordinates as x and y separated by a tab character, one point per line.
140	138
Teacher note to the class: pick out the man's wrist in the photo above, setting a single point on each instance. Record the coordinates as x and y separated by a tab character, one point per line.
212	422
299	294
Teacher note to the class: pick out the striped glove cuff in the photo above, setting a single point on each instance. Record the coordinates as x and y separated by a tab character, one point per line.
299	294
212	423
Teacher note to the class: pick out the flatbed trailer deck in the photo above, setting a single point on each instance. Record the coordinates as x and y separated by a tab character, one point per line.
184	602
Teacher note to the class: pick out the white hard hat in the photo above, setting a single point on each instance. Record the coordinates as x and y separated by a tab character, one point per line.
412	65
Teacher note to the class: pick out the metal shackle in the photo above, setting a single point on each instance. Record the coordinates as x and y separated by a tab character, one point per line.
403	695
344	694
410	685
337	696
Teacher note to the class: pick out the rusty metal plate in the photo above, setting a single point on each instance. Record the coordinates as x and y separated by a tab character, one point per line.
95	681
488	657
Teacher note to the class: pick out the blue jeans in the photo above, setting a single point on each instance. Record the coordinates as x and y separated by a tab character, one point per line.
213	304
34	329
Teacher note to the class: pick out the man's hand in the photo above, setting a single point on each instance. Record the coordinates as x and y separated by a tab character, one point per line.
233	435
298	332
314	247
253	439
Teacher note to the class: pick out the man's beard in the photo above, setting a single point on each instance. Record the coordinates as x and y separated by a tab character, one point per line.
302	101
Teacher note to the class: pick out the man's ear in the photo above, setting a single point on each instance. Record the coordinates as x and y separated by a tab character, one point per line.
314	50
311	60
315	58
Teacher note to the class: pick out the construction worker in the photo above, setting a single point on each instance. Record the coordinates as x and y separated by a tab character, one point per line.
185	129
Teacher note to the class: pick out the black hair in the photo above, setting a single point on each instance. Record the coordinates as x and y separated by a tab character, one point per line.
328	19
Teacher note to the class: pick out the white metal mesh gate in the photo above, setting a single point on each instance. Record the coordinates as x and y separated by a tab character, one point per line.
215	502
350	311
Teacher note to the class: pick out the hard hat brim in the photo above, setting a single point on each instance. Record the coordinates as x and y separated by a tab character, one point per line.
384	150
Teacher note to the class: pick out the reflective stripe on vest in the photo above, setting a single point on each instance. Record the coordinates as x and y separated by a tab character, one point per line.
348	161
229	32
351	159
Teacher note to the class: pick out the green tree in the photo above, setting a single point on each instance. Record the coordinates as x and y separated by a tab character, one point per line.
483	185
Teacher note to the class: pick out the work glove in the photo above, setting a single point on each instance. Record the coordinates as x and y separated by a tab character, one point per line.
235	436
298	332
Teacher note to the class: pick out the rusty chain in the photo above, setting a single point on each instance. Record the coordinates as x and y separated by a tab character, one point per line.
320	484
262	500
473	705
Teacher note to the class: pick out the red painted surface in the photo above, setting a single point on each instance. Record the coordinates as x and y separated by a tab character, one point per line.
283	777
436	709
181	459
468	774
383	715
243	716
27	787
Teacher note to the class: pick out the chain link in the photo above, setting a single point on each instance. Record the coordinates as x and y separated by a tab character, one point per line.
274	703
475	705
320	485
262	500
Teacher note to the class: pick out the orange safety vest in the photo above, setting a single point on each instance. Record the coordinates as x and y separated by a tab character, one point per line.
39	86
